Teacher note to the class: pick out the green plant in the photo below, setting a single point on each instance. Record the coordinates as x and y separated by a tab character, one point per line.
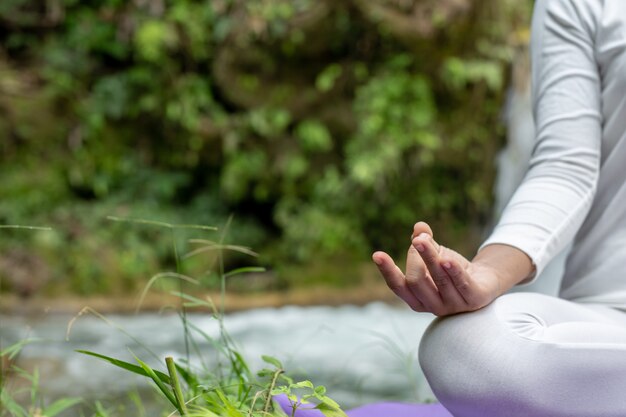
36	403
230	388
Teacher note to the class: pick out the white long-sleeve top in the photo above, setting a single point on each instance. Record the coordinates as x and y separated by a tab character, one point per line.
575	188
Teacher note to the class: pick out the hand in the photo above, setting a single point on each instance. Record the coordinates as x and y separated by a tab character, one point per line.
438	279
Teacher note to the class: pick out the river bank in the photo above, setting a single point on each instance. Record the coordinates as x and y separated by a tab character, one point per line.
362	294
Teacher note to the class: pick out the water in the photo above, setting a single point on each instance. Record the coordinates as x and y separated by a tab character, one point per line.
361	354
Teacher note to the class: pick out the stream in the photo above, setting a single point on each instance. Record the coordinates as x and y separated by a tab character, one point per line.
361	354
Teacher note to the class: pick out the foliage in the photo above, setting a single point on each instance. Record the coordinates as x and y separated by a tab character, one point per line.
226	388
328	128
239	394
36	405
229	388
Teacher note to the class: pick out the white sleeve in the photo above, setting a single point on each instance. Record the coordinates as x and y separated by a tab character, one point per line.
550	205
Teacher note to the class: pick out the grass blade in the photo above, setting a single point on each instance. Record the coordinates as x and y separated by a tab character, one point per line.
178	392
128	366
193	301
161	224
11	351
59	406
244	270
9	404
157	277
213	246
90	310
189	377
16	226
159	383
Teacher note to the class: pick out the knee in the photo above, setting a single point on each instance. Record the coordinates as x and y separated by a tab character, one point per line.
473	342
470	359
455	353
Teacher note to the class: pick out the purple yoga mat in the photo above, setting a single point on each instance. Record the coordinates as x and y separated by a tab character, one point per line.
372	410
399	410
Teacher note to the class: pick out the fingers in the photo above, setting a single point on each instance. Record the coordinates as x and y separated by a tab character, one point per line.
419	282
437	279
396	281
429	252
421	227
460	279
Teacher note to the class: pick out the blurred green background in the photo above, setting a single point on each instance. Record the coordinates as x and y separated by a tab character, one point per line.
325	128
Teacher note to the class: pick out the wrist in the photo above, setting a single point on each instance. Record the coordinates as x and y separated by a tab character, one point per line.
509	265
497	282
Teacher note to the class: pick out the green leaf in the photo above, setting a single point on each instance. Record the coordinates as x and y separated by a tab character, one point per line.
59	406
326	79
6	402
178	392
153	38
230	408
244	270
314	136
192	301
128	366
153	375
189	377
280	390
302	384
272	361
15	348
330	411
286	379
328	401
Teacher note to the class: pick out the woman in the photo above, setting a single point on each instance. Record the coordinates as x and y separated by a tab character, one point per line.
529	354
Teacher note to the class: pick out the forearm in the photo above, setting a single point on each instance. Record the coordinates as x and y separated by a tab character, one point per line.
509	264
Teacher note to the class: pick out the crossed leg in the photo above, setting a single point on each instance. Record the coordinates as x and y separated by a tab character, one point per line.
529	355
